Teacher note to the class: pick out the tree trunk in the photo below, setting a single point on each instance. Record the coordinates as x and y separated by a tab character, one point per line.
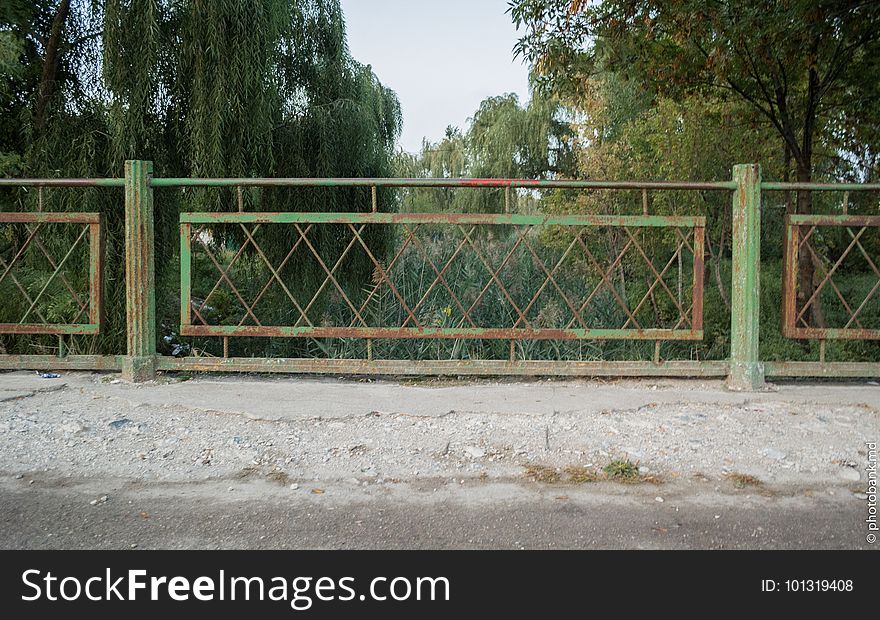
786	177
716	259
50	65
806	263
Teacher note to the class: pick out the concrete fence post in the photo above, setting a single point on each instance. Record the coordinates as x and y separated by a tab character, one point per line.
139	363
746	370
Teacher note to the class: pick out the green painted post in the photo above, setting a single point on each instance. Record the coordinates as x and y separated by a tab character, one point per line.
746	369
139	363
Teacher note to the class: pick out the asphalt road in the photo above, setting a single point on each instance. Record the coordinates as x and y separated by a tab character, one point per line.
473	515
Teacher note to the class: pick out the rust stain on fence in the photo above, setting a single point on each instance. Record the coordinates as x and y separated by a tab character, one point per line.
196	227
799	233
91	228
522	324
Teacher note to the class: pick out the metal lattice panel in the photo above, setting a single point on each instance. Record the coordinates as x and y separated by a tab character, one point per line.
63	274
860	315
494	250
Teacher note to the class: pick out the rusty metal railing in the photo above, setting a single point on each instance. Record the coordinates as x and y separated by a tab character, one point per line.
461	319
460	315
52	274
798	301
87	304
800	233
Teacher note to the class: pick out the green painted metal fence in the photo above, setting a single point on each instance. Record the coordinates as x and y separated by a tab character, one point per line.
475	293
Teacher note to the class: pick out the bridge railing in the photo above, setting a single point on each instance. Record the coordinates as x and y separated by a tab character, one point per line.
495	287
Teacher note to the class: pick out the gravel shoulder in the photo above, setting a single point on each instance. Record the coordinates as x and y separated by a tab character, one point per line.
87	449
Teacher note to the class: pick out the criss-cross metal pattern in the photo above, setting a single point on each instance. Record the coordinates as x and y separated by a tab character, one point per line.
466	259
861	315
35	296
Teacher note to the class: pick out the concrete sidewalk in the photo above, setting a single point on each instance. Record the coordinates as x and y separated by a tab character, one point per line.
300	446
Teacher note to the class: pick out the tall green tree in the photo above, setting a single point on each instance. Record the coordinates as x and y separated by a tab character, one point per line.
202	88
511	140
504	139
806	66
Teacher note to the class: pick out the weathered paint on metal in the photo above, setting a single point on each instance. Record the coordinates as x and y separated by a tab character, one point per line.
107	182
833	220
139	272
454	182
516	332
746	371
487	333
504	219
96	275
789	277
776	186
793	323
443	367
92	227
819	369
699	277
68	362
45	217
50	328
447	367
185	274
832	333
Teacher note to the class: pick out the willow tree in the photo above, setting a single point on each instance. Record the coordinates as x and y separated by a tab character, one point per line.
203	88
531	141
504	139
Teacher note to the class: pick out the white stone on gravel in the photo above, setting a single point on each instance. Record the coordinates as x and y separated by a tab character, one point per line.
474	452
849	473
72	428
774	454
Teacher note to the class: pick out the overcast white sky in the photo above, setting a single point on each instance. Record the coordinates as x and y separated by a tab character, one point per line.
441	57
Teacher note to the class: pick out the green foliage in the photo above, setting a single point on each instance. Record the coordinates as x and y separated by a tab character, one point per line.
624	90
221	88
621	470
504	140
805	66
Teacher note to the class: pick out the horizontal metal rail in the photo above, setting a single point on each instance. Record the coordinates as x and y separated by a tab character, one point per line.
109	182
833	220
837	370
442	182
65	329
46	217
485	333
776	186
55	362
772	186
682	368
447	367
638	221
